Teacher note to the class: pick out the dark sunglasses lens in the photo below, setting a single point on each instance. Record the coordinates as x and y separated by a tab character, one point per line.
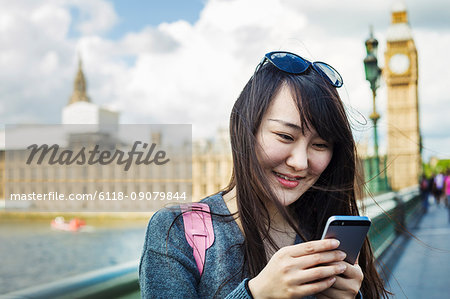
329	73
288	62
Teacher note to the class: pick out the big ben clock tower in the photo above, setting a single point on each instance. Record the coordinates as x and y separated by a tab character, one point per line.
401	74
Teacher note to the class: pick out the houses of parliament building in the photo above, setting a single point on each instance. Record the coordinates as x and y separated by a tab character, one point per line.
193	169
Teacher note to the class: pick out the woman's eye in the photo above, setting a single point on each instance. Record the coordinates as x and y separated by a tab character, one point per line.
285	137
322	145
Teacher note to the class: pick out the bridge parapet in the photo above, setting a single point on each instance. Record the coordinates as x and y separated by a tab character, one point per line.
391	214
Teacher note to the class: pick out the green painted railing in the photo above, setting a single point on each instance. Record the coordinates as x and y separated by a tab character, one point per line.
119	281
390	214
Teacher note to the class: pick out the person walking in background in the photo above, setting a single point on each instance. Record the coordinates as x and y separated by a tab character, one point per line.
431	186
438	187
425	188
447	192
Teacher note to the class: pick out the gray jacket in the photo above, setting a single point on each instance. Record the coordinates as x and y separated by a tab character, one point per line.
168	268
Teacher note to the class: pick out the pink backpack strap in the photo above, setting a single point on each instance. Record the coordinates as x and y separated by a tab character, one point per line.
198	230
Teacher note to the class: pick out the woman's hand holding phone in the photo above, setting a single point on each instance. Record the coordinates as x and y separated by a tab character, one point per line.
303	269
351	231
347	284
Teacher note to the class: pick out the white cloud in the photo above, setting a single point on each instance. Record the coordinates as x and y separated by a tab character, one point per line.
51	20
192	73
97	16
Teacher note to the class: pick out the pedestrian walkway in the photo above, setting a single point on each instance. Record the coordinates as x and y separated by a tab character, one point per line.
423	270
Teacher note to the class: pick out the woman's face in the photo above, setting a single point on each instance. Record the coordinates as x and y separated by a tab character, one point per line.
291	160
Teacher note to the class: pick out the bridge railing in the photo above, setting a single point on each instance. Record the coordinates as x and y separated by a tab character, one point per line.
390	214
112	282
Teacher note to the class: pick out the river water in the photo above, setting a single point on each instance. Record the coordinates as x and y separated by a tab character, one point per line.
31	253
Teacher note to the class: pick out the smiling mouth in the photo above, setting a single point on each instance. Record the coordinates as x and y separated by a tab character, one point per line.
287	178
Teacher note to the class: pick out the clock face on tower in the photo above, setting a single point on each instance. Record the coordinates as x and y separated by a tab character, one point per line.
399	63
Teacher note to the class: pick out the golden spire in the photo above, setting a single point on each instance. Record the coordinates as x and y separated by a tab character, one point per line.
399	13
399	30
79	87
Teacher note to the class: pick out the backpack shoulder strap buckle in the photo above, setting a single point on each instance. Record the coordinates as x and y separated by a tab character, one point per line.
198	230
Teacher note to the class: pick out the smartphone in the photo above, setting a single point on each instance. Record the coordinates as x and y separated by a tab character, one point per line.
350	231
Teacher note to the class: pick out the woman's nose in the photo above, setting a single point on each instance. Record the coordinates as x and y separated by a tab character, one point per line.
298	158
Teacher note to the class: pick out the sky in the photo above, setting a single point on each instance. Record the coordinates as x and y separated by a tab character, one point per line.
186	61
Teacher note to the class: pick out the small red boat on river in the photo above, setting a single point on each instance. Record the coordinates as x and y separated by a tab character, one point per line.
73	225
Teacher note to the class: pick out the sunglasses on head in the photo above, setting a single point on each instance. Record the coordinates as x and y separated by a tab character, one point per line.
293	64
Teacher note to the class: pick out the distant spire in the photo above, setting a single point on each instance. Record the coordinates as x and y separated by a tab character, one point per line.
399	30
399	12
79	86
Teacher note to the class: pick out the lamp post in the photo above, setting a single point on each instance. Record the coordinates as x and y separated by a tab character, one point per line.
373	73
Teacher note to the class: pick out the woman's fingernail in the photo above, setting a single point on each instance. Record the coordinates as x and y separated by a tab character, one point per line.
335	243
342	255
342	268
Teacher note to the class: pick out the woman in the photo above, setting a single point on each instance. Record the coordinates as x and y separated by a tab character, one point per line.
294	167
